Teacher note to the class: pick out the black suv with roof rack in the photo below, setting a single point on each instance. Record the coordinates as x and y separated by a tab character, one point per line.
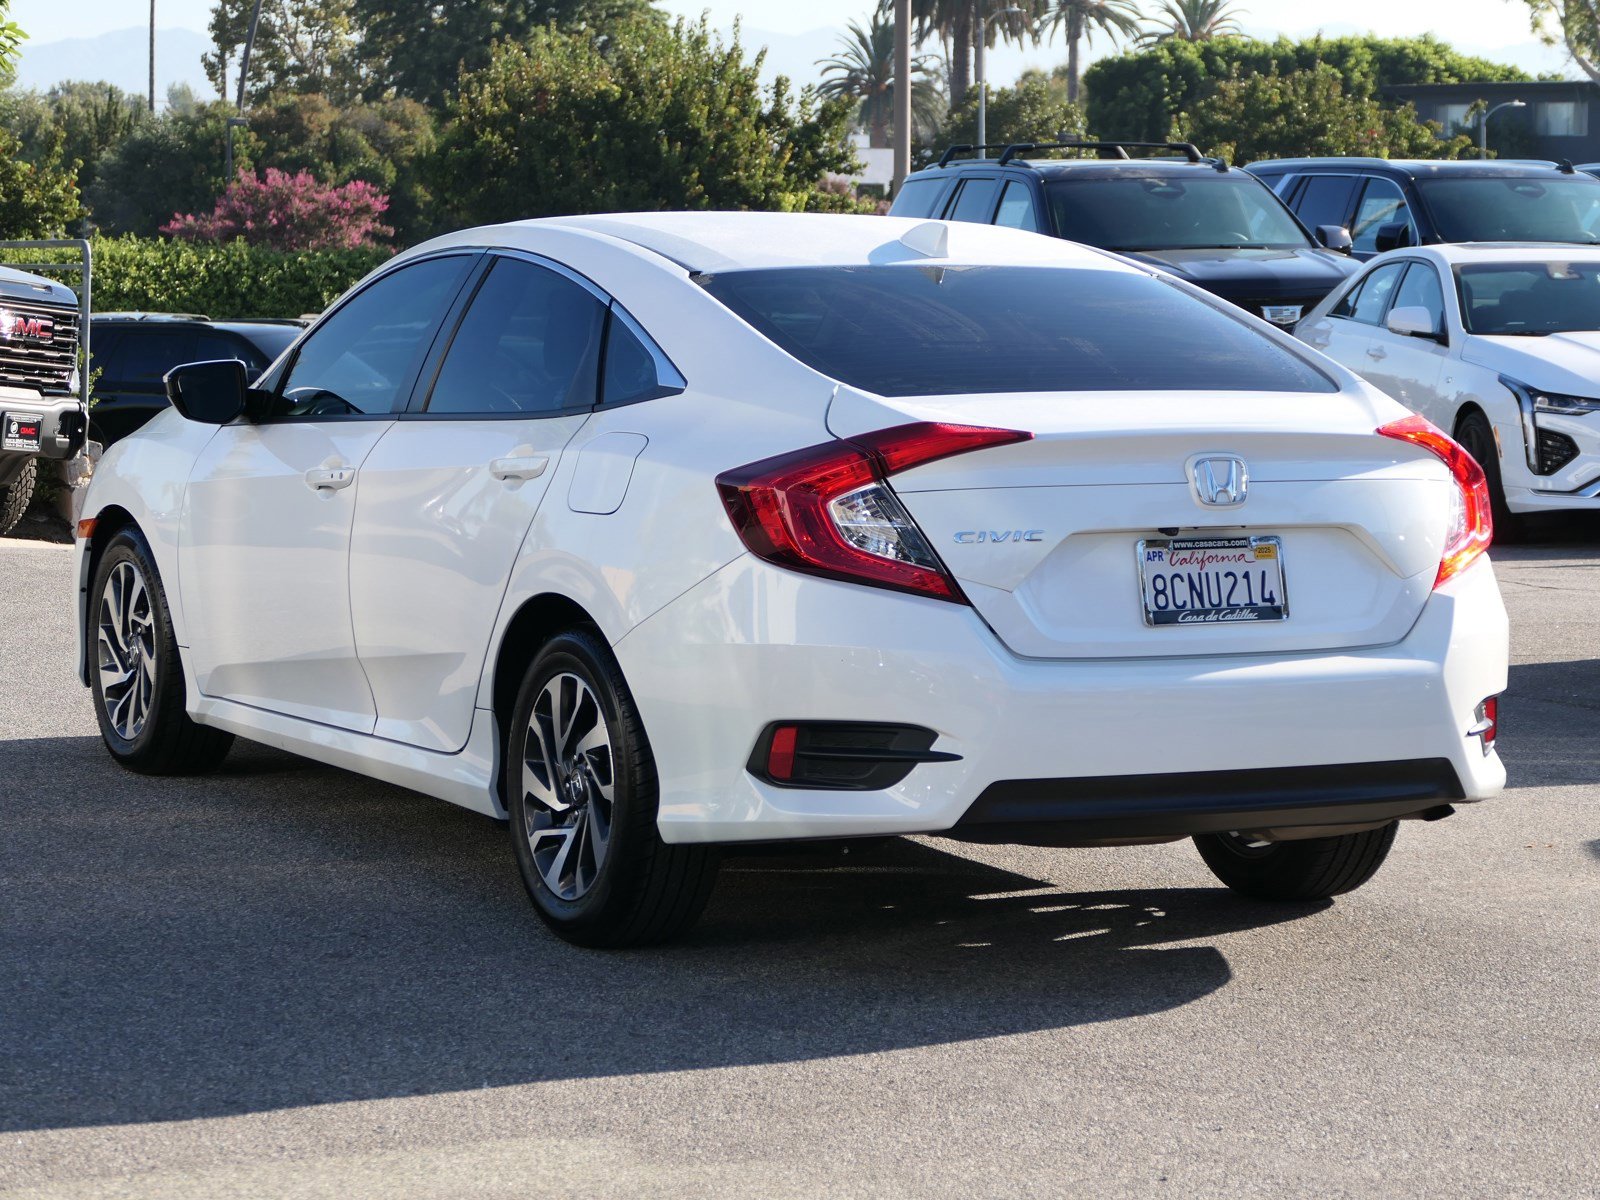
1389	203
134	351
1191	216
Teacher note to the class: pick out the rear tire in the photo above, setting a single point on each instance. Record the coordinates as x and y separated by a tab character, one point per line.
1476	436
17	495
135	672
1313	869
580	786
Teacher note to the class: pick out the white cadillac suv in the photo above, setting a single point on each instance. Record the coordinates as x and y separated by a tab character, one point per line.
658	534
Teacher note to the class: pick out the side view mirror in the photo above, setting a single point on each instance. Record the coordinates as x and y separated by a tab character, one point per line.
1392	236
1335	237
1413	321
212	393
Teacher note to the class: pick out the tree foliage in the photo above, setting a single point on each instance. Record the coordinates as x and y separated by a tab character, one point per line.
863	72
1033	111
651	117
1194	21
38	198
174	163
301	46
1307	113
73	121
384	144
289	212
1136	96
1079	20
1578	24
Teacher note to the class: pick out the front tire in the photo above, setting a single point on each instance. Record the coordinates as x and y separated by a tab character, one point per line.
16	495
1312	869
580	787
1476	436
135	672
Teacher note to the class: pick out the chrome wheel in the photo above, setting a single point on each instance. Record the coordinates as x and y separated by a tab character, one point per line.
568	786
126	650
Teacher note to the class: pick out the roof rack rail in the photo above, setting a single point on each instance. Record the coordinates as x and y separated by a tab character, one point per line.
1188	149
951	151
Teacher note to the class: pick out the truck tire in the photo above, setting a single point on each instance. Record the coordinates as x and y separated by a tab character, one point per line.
16	495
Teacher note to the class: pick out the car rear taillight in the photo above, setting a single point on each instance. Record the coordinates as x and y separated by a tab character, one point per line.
828	510
1486	723
1471	526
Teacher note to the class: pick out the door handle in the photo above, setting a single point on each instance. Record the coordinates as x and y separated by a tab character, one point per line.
519	467
330	479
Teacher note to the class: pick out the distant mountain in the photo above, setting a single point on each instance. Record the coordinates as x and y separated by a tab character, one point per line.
120	57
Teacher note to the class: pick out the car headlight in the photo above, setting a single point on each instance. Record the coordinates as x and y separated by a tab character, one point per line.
1547	451
1552	402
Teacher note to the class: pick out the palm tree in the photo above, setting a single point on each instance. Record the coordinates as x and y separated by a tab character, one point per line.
1194	21
1080	19
956	21
152	55
863	70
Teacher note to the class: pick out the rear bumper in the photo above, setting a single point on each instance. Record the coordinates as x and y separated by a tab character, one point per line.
1163	807
753	644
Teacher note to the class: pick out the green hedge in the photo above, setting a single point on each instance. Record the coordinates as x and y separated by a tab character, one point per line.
228	280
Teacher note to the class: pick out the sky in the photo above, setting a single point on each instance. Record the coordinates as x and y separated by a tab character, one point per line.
1496	28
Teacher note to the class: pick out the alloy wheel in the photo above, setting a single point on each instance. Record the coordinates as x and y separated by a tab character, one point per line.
126	650
568	786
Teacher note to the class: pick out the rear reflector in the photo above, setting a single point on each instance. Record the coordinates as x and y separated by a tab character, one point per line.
851	756
780	754
828	510
1471	526
1487	726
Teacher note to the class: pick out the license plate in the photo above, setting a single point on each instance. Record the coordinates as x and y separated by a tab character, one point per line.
1212	581
20	431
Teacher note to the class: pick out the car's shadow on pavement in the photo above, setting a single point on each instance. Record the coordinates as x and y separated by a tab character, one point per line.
284	934
1547	721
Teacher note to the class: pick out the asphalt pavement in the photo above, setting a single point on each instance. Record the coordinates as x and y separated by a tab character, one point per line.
289	981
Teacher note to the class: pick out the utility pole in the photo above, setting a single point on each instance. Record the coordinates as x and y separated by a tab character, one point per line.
902	92
152	55
239	121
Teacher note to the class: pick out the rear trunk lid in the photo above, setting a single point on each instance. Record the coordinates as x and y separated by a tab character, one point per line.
1047	536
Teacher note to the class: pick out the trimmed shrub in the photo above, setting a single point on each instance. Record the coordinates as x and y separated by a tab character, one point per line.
227	279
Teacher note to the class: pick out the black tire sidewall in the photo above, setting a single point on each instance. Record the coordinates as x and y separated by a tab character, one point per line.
130	546
1508	526
633	808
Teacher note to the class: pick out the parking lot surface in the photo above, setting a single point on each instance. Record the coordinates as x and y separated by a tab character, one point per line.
289	981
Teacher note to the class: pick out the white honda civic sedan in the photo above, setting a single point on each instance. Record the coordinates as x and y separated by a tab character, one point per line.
1500	344
662	534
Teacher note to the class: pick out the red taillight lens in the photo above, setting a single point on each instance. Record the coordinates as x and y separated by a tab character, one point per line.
1471	520
828	510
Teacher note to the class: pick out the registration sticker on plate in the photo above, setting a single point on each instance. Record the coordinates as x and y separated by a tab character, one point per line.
20	431
1212	581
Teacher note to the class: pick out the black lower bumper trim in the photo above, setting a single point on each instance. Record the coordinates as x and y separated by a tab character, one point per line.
1111	807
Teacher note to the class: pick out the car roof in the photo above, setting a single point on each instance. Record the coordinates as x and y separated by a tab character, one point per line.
1453	254
705	242
1418	168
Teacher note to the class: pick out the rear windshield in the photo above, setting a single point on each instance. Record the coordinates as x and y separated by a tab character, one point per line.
1530	299
1515	210
921	330
1198	210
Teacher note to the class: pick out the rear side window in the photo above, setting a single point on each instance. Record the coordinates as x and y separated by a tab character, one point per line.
1325	200
975	201
634	368
918	198
922	330
1016	208
530	343
145	356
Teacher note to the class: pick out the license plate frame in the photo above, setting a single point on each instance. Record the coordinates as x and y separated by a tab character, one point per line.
1155	555
14	435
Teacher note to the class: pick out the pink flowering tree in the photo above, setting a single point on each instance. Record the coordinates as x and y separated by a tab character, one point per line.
289	212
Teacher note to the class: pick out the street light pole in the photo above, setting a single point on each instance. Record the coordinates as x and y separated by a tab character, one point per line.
902	92
983	81
1483	124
